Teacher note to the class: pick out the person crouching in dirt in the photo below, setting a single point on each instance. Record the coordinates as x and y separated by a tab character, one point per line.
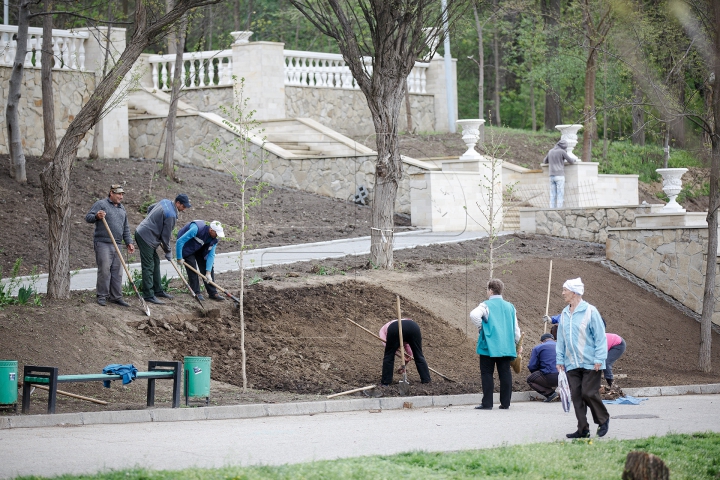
412	339
581	352
195	246
155	230
498	334
543	372
109	273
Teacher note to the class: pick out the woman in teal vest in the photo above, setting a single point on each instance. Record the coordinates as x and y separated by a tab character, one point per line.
497	323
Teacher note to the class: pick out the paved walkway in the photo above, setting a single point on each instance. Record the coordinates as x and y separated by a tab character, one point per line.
227	262
293	439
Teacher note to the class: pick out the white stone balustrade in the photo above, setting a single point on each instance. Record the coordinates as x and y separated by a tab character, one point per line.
212	68
329	70
68	48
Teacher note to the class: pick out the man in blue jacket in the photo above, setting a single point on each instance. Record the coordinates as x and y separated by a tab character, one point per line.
155	230
196	246
581	352
543	373
498	334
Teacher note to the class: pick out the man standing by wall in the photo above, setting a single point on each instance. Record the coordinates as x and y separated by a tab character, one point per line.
581	353
196	246
152	232
556	159
109	275
497	322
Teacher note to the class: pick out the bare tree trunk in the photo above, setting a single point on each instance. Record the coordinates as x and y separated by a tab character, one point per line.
210	28
48	97
388	172
496	55
589	108
248	22
666	146
605	110
236	15
171	40
638	117
55	178
551	11
12	116
532	101
408	111
96	137
169	155
481	72
704	361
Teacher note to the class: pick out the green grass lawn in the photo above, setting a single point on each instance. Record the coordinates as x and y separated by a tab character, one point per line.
695	456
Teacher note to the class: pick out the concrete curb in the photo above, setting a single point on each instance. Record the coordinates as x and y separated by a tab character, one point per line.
227	412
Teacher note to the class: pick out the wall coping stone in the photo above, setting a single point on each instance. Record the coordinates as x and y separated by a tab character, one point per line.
687	227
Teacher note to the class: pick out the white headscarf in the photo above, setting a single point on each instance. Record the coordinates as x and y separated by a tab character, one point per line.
575	285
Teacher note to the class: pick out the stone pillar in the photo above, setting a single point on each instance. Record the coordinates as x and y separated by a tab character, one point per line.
435	85
262	65
112	130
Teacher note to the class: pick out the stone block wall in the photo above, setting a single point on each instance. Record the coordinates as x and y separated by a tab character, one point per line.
209	99
72	90
671	259
347	112
586	224
336	177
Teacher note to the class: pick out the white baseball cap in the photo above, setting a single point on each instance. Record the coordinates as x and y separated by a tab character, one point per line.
217	226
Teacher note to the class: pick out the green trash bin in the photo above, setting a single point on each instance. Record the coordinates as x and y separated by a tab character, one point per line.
197	378
8	382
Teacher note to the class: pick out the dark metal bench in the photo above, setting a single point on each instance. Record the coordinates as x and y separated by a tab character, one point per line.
48	376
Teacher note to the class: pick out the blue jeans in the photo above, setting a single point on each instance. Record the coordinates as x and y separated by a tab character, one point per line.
557	191
613	354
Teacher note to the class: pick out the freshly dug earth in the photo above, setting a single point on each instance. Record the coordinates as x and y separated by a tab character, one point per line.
299	345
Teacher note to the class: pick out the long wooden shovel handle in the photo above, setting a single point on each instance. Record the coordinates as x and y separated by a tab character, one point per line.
211	282
547	303
351	391
194	295
68	394
127	270
397	354
402	345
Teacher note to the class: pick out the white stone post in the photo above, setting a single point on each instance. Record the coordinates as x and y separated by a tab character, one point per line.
672	186
112	130
569	134
436	86
262	65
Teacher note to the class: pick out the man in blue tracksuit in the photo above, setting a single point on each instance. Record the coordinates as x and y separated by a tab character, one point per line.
543	373
155	230
196	246
581	352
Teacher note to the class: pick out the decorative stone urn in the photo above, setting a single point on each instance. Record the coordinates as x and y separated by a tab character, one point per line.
471	135
672	186
569	134
241	37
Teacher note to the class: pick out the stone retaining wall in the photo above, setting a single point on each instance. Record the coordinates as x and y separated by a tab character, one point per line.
671	259
336	177
347	112
72	90
586	224
209	99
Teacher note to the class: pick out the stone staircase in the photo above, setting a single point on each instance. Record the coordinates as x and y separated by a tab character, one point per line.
306	138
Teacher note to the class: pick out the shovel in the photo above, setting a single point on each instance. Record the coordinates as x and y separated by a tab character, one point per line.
188	286
403	385
547	303
127	271
235	299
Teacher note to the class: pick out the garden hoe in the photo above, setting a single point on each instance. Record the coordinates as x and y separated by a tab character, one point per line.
187	285
403	385
546	318
235	299
127	271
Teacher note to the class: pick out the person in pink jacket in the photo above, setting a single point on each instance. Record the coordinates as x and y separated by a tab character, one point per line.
616	347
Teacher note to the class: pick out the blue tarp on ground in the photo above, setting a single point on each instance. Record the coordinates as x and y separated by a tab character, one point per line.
626	400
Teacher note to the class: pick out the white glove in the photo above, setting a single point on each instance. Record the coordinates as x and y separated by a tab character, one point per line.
547	319
168	257
180	261
208	276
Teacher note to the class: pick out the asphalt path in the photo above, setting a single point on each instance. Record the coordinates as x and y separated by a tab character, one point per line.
294	439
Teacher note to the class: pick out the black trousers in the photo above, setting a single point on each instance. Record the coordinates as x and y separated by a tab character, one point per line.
411	336
487	368
585	392
543	383
197	261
